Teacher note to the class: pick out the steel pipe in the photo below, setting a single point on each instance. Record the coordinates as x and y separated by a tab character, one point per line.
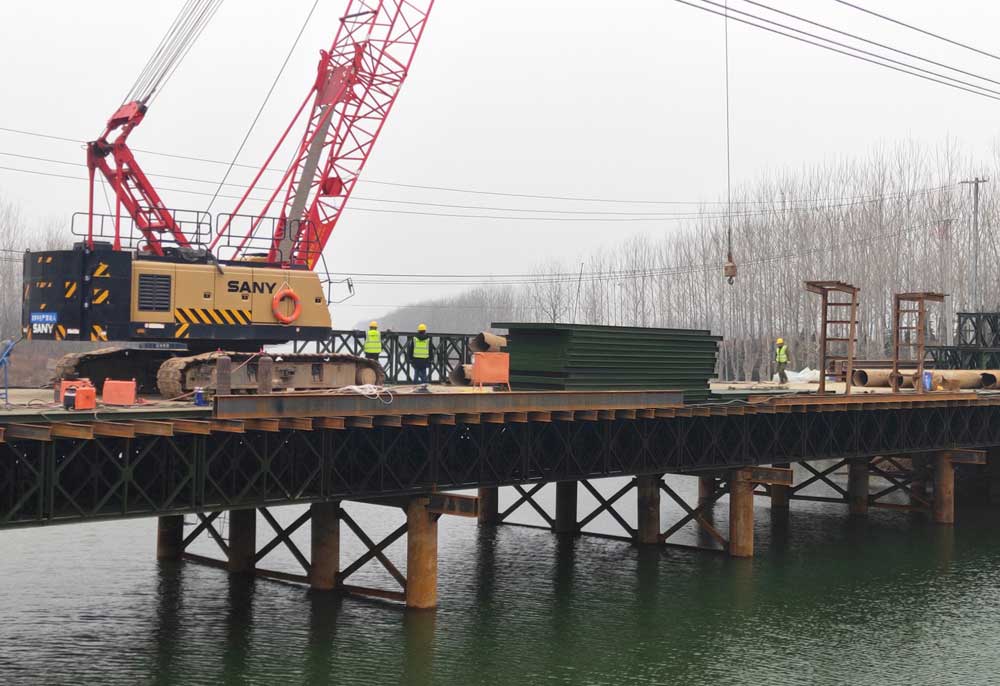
874	378
951	379
460	375
989	377
487	342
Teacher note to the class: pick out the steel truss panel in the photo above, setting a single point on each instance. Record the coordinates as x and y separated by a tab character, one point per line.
69	480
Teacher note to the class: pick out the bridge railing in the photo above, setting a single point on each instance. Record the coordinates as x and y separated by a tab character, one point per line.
448	350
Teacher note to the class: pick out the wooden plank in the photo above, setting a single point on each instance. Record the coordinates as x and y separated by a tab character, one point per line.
29	432
147	427
229	426
683	412
585	415
114	429
967	456
297	423
466	418
541	417
605	415
415	420
666	412
645	414
492	417
335	423
624	414
72	430
192	426
393	420
515	417
359	422
562	416
269	425
442	419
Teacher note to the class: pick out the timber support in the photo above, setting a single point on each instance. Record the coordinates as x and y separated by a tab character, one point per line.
325	548
648	509
780	492
489	506
944	489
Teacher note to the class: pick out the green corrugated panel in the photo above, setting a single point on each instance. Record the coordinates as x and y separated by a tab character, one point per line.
579	357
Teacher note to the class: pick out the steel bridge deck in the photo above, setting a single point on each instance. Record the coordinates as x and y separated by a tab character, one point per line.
255	451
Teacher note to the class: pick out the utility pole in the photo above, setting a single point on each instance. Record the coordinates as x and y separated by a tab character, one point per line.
975	239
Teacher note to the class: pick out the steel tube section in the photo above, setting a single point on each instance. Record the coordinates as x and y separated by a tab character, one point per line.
944	489
346	405
489	505
487	342
648	509
953	379
875	378
325	553
169	537
421	555
566	497
780	492
242	540
857	486
740	514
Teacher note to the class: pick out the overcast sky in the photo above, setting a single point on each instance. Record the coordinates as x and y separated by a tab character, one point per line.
618	100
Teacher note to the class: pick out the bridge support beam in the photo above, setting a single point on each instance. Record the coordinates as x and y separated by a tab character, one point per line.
242	540
421	555
489	506
169	537
944	489
566	492
857	486
648	509
779	492
740	514
325	549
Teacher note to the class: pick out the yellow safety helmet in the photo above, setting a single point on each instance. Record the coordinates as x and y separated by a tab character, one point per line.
780	341
422	327
373	324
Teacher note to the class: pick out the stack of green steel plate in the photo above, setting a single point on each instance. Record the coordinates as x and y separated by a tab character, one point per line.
583	357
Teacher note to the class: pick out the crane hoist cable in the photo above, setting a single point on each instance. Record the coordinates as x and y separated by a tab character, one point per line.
187	26
729	270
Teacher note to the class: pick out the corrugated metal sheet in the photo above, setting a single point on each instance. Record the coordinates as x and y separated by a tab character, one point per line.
587	357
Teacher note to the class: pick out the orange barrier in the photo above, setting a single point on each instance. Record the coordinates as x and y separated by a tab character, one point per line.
491	368
119	392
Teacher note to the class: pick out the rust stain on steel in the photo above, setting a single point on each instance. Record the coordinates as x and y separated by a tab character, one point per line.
337	405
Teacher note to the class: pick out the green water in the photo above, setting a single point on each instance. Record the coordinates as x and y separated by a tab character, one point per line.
891	599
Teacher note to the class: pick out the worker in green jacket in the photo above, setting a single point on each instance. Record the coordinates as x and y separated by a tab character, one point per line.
420	354
781	358
373	342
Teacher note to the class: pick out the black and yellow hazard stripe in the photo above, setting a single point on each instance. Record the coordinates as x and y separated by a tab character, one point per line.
44	259
101	295
102	270
70	287
98	333
211	316
60	332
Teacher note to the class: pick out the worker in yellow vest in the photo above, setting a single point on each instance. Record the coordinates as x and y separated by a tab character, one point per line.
420	354
781	358
373	342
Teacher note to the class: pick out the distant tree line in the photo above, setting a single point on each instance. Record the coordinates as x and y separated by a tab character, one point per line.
897	220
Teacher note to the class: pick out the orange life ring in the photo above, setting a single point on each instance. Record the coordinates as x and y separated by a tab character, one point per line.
276	305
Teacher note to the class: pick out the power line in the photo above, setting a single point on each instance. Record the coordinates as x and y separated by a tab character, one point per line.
947	79
573	215
871	42
260	110
450	189
876	62
918	29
